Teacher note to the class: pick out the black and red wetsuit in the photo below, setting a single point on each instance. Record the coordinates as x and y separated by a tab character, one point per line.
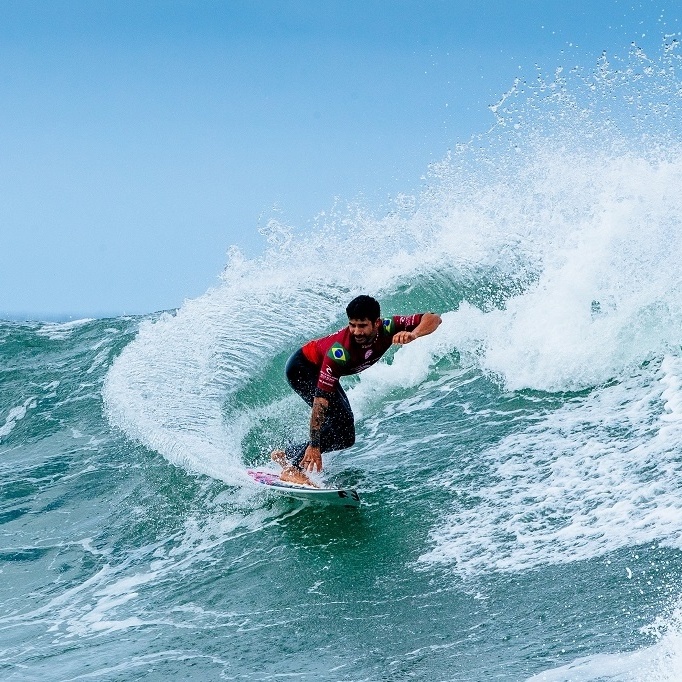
315	369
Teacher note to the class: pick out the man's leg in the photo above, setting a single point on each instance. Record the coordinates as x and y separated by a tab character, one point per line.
338	430
302	377
337	433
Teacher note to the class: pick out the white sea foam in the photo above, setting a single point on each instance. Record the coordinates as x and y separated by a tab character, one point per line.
608	295
601	472
16	414
660	662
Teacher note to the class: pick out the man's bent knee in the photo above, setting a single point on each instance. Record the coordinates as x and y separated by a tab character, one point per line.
349	439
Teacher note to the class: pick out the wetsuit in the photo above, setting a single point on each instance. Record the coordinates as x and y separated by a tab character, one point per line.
315	369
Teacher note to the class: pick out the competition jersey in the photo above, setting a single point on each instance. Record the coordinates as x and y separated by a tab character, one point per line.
339	355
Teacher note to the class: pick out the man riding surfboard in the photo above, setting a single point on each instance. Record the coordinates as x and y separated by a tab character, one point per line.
313	371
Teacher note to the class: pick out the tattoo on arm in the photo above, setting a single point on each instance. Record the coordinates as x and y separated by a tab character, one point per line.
320	406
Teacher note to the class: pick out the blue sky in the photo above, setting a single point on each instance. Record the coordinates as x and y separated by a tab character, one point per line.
140	139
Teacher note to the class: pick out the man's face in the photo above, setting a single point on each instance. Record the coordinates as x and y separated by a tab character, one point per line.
363	331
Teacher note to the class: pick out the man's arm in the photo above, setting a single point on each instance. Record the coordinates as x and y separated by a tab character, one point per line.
312	459
429	323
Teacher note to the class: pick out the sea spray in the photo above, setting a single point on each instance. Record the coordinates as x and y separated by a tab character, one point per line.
549	244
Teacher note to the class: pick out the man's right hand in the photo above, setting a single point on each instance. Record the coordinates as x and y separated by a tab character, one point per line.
312	459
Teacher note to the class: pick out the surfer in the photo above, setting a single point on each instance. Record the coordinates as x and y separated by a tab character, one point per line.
313	371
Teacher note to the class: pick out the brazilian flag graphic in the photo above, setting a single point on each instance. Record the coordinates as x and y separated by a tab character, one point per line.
389	326
339	354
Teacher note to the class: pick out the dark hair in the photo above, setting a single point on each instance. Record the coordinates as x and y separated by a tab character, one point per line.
363	308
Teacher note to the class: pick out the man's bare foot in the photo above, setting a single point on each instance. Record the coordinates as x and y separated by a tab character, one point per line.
291	474
279	457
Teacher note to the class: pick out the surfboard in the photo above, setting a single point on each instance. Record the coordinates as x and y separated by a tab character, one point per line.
345	497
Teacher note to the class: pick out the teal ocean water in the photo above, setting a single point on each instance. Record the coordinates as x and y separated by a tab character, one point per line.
520	468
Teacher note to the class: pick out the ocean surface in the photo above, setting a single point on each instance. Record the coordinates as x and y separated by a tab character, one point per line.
521	468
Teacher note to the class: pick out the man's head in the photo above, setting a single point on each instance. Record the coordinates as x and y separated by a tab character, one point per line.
364	319
363	308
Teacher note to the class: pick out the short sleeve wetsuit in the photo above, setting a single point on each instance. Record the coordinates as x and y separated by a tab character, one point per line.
315	370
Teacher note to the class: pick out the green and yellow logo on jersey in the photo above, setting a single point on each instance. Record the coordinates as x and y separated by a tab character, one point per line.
338	354
389	325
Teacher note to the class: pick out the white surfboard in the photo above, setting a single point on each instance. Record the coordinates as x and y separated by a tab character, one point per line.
345	497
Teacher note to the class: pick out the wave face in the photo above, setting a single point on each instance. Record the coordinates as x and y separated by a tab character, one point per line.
520	467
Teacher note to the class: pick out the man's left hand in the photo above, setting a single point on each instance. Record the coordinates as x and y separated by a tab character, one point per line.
429	323
404	337
312	459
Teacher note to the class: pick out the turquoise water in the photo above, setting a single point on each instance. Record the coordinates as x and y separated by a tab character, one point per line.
522	515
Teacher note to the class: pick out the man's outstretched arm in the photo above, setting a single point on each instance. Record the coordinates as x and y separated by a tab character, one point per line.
429	323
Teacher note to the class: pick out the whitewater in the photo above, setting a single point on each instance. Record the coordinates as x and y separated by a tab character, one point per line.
522	515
